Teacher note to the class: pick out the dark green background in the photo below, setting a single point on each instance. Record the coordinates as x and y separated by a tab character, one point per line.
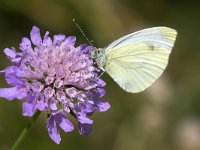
164	117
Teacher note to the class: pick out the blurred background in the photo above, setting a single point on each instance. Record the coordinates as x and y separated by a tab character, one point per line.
166	116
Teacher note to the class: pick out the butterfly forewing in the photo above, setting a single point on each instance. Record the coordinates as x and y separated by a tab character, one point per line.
136	60
161	36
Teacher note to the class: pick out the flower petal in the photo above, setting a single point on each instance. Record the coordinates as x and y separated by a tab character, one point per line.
84	129
66	125
99	82
28	109
47	40
88	49
41	104
70	41
85	48
72	92
8	93
35	36
11	79
87	108
16	60
101	105
52	129
37	86
13	70
22	92
11	53
25	45
53	104
84	120
99	92
58	39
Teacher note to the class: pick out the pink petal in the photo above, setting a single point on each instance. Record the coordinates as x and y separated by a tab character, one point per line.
8	93
35	36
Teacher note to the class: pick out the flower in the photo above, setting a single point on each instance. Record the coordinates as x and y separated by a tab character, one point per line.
56	77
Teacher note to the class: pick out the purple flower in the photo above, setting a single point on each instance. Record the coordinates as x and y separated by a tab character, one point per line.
56	77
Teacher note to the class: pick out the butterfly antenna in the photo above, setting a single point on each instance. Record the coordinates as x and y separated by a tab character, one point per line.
90	42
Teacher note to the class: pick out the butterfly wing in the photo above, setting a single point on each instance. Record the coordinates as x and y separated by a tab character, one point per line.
161	36
136	60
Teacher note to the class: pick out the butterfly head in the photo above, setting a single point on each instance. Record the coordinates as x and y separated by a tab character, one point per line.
100	58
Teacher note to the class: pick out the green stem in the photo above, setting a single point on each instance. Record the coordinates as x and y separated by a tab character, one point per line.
25	132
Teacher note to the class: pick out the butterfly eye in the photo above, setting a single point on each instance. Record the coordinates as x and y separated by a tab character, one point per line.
99	52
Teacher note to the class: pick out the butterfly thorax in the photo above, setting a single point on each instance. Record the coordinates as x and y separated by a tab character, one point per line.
100	58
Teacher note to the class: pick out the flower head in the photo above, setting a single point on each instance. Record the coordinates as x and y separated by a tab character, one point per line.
56	77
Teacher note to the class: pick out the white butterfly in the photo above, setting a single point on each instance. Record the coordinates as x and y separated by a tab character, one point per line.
136	60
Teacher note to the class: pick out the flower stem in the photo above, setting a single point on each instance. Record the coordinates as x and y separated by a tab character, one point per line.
25	132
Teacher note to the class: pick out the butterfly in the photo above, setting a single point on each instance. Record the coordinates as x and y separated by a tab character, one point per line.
136	60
